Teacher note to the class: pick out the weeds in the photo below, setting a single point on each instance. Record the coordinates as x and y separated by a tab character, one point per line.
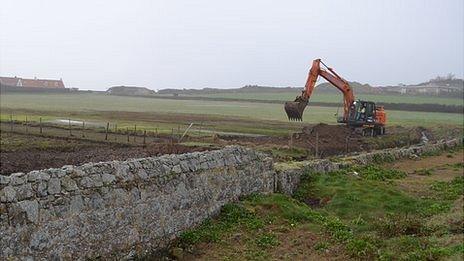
232	215
374	172
267	240
432	153
378	159
321	246
449	190
360	248
393	225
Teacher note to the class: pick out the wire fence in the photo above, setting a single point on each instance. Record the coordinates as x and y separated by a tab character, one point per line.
108	132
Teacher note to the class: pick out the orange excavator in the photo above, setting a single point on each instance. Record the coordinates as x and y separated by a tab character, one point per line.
357	114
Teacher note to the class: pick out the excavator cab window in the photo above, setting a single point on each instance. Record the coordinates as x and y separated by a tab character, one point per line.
361	112
352	116
370	112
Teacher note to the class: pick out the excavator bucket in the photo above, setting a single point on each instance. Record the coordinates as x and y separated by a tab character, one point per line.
295	109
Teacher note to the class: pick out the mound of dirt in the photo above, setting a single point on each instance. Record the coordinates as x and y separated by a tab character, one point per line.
330	139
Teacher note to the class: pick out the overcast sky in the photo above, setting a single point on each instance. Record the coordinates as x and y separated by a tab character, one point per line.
194	44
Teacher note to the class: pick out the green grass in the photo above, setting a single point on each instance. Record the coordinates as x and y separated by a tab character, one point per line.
286	154
449	190
83	105
365	214
337	97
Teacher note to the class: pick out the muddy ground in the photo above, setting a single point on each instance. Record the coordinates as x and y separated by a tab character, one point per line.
334	139
26	152
23	153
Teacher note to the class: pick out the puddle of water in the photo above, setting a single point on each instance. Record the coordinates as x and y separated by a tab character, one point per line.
74	122
68	121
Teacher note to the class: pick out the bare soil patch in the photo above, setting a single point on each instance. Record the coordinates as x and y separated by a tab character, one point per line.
23	153
429	162
329	140
440	168
294	243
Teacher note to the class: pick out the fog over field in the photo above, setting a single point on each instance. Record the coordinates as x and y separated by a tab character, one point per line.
223	44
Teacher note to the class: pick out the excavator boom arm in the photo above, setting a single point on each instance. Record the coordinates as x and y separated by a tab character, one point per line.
295	109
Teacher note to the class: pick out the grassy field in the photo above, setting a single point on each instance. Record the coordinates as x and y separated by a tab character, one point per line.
384	212
337	97
269	117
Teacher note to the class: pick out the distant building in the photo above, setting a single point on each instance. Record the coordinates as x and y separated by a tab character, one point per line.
130	90
31	83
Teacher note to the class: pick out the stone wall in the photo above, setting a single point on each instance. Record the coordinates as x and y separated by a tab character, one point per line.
288	176
109	209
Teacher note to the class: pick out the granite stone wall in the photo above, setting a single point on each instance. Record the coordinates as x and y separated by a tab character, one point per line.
115	209
110	209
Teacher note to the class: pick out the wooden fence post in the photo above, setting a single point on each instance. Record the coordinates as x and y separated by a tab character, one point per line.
127	132
40	124
11	122
69	126
144	136
26	124
106	132
135	132
172	135
83	129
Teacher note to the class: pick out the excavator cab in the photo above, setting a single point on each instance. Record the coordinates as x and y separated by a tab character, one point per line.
367	116
361	113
